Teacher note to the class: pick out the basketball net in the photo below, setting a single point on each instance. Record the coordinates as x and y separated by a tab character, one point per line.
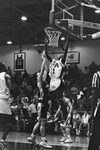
53	36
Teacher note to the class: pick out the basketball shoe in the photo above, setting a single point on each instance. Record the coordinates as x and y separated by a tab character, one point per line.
32	140
3	146
44	143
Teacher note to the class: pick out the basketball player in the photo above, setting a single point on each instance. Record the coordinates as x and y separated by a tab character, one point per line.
66	107
5	109
42	106
94	142
56	69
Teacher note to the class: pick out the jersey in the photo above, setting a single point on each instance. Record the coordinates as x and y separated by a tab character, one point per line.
55	68
19	62
96	80
55	72
4	95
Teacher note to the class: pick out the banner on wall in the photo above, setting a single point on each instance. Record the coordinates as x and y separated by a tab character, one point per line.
73	57
20	61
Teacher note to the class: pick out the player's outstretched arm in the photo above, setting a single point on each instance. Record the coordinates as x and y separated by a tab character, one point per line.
43	68
65	50
48	57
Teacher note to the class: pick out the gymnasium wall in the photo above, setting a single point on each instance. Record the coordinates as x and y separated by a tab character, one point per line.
89	51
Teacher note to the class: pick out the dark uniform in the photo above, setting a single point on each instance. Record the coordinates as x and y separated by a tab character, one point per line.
44	101
94	142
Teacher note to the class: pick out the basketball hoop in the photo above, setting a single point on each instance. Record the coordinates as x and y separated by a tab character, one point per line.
53	36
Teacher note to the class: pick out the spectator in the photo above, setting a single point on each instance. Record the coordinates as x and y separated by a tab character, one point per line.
25	74
33	112
86	70
92	68
81	107
85	122
29	89
76	121
74	91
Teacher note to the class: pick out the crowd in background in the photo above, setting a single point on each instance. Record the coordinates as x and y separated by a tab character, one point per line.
25	95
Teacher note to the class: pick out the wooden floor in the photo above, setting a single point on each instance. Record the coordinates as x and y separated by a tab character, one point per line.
18	141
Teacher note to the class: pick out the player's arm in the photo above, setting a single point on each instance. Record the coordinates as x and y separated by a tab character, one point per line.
39	82
48	57
94	98
65	51
58	111
8	81
43	68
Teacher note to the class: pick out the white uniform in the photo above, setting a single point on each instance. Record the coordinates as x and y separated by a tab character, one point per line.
55	70
4	96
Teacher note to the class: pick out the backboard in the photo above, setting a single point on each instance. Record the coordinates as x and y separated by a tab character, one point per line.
75	18
61	10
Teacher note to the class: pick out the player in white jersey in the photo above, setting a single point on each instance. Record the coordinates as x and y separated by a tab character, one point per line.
56	70
5	109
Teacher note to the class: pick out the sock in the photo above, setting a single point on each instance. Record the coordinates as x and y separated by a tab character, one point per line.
2	140
32	135
43	139
64	135
68	136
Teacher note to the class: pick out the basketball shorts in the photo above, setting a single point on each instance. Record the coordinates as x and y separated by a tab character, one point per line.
5	119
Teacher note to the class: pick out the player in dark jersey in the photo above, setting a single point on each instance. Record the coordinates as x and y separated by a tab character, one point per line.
94	142
66	107
42	106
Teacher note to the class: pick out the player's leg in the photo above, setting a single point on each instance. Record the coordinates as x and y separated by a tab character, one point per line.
68	134
63	130
67	123
53	99
44	141
6	121
63	123
33	134
43	118
94	142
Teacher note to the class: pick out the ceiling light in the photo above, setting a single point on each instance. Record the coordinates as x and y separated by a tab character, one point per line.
97	11
9	42
23	18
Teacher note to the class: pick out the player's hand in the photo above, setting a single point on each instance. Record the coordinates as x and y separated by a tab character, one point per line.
46	40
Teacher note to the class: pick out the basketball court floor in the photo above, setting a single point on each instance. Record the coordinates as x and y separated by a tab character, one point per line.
18	141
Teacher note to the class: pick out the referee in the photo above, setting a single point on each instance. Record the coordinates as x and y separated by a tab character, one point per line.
94	142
